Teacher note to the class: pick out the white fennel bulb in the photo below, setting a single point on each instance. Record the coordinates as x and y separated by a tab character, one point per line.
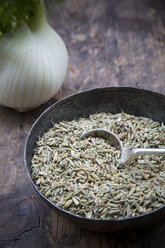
33	63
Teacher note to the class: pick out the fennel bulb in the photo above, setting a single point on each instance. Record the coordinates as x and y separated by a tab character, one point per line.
33	62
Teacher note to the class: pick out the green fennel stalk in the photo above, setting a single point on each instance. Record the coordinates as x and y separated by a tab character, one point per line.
14	12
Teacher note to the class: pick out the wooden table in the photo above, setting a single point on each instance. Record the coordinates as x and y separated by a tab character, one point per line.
110	43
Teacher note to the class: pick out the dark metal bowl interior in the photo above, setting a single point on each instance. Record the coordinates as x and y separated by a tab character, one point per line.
134	101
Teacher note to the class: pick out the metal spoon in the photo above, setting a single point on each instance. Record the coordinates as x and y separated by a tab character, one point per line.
126	153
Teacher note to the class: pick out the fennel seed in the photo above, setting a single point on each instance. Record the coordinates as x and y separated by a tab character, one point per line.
79	175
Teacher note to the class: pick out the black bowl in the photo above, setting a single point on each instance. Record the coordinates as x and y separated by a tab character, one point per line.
134	101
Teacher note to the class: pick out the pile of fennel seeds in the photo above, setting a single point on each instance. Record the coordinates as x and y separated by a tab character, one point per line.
78	175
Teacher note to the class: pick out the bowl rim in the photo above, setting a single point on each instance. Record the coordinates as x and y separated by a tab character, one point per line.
113	88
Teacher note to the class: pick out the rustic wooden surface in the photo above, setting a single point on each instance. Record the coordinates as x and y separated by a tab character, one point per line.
110	43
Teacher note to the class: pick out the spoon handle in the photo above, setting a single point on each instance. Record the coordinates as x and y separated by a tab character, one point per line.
129	153
148	151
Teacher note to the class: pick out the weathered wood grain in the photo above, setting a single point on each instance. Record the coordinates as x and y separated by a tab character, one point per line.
114	42
110	43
